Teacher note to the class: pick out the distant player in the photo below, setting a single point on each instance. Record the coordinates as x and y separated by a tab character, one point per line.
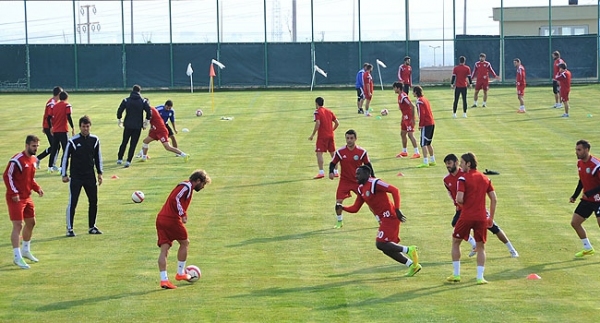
374	192
325	124
360	93
564	80
46	128
170	225
426	125
407	124
60	115
168	115
460	74
368	88
481	72
405	75
557	61
158	131
350	157
521	82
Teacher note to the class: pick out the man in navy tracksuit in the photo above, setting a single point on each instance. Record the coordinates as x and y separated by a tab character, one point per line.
134	106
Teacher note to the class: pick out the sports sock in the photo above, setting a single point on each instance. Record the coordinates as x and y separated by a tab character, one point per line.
475	103
321	172
425	160
432	159
163	275
416	150
456	266
586	244
17	253
26	246
472	241
404	150
509	246
335	171
480	270
484	103
408	262
340	217
181	267
404	249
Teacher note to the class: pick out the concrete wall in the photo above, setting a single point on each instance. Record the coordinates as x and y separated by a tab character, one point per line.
527	21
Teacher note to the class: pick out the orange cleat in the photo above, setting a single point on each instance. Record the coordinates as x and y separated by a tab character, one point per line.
415	156
167	284
336	174
319	176
183	277
520	111
402	154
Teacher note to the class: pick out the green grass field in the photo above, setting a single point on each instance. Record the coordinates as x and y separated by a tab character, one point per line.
262	231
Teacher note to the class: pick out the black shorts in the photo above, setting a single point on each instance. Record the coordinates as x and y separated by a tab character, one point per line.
586	208
169	130
494	229
360	94
427	135
555	87
406	88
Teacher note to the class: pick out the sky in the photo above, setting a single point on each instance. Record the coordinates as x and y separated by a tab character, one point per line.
110	21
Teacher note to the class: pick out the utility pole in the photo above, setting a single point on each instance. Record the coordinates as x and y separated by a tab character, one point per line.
88	27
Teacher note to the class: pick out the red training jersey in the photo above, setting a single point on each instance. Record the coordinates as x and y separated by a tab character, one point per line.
156	121
350	160
405	74
326	118
59	116
461	73
475	187
521	76
451	184
178	201
404	105
19	176
589	175
564	80
368	83
47	111
374	193
555	66
482	70
425	114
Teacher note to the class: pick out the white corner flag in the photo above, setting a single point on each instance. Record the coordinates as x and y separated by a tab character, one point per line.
382	64
219	64
189	73
322	72
315	70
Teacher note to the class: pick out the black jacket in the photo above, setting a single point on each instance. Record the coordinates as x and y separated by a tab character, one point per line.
134	106
85	154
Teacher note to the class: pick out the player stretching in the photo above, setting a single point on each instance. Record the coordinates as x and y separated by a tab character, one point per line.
481	72
374	192
407	125
158	131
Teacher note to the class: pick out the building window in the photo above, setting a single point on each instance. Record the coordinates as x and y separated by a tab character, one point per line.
564	30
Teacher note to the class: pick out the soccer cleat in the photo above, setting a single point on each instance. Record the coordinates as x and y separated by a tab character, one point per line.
520	111
336	174
413	270
423	165
183	277
29	256
167	284
361	111
474	106
402	154
454	115
144	158
127	164
472	253
565	115
338	225
514	254
464	115
21	263
70	233
483	106
367	114
415	156
585	252
139	155
318	176
186	158
413	254
50	170
481	281
94	230
119	162
453	279
432	163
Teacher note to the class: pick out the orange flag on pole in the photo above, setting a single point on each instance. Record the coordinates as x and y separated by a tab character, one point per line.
211	71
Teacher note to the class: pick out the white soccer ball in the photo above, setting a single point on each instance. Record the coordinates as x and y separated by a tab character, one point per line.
194	273
137	197
384	112
199	113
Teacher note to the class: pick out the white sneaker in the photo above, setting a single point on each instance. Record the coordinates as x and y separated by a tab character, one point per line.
119	162
21	263
472	253
454	115
514	254
29	256
144	158
464	115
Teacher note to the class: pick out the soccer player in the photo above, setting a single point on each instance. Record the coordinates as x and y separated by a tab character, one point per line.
405	75
134	107
564	79
521	84
360	93
555	87
46	128
170	225
407	125
325	124
84	151
426	125
349	157
168	114
374	192
460	74
472	188
451	182
368	88
588	167
158	131
481	72
57	121
19	178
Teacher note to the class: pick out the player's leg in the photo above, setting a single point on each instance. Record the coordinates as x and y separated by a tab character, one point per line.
335	169
480	235
123	146
455	103
582	212
135	137
343	191
367	106
564	97
162	266
173	141
475	97
46	151
15	213
53	153
556	91
495	229
182	253
413	141
463	94
485	93
29	218
394	251
319	155
172	149
91	190
403	131
75	186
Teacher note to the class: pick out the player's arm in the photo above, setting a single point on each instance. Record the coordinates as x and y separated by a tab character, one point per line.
336	124
71	123
98	161
315	129
400	74
356	206
577	191
453	80
65	161
414	110
9	181
182	212
172	119
121	109
470	80
493	202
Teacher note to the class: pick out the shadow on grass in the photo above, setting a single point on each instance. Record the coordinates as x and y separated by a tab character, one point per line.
66	305
296	236
540	269
232	187
36	241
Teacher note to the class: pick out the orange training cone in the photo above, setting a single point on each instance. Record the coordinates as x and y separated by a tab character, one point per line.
533	277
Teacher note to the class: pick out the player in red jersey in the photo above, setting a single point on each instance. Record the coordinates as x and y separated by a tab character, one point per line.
588	167
325	124
368	88
564	80
521	82
19	178
472	188
451	184
46	128
158	131
407	124
426	125
481	72
555	70
58	118
374	192
460	74
350	157
170	225
405	75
